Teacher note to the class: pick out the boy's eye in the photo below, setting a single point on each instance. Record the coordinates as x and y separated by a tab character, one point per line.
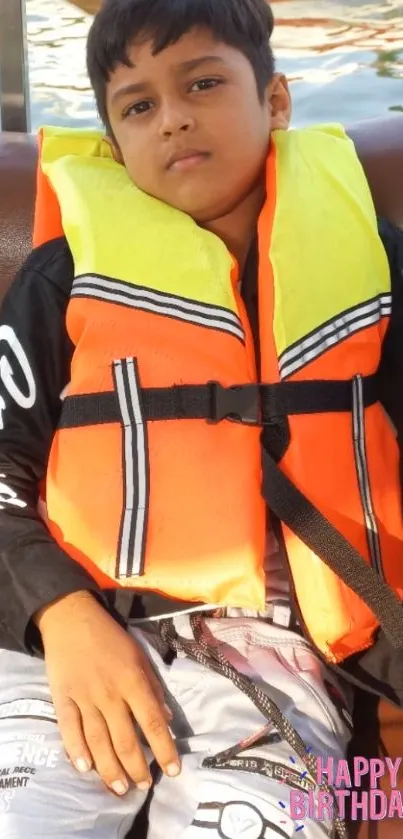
138	108
205	84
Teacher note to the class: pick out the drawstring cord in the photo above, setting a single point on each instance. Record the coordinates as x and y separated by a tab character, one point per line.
210	655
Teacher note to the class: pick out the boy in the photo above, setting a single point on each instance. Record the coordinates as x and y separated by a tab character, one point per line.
153	493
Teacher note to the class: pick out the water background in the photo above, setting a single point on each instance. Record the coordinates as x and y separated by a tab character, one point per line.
344	60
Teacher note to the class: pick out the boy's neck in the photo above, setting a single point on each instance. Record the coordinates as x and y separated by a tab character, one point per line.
238	228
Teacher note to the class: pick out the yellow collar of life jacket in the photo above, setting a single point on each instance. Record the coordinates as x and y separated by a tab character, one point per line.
152	482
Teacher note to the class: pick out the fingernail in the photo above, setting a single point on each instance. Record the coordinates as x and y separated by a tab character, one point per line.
168	711
173	770
144	785
82	765
120	787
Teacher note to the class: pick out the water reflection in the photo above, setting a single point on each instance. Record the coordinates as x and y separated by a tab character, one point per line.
344	60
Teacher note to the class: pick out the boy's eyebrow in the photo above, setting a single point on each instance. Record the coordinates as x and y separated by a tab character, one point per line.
192	64
138	87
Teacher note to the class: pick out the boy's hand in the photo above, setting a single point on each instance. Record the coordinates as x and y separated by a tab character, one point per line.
100	678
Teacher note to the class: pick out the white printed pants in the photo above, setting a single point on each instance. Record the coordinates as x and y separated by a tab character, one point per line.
224	790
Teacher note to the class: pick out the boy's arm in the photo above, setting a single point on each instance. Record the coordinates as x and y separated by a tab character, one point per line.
391	368
35	356
99	677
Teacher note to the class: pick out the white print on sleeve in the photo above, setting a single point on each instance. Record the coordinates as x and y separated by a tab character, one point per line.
8	496
24	400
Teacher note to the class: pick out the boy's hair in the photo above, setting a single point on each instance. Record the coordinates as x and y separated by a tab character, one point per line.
246	25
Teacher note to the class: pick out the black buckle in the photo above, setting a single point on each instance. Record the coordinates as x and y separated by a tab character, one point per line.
238	403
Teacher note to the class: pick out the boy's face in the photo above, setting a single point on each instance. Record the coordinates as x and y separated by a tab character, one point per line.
189	126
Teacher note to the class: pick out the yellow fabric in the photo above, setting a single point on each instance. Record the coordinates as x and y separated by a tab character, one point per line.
116	230
325	251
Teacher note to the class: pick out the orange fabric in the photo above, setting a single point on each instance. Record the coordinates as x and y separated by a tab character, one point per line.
328	476
268	361
320	462
205	527
198	546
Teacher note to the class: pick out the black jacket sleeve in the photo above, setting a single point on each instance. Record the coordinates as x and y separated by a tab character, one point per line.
35	357
391	369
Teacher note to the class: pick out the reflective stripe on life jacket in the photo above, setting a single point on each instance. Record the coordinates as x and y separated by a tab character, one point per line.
148	494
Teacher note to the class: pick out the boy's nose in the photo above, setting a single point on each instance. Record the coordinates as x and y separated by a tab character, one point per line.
174	121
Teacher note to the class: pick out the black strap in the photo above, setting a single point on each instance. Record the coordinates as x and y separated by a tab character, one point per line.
295	510
254	404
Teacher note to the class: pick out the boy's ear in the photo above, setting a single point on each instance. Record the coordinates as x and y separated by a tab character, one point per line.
114	149
279	102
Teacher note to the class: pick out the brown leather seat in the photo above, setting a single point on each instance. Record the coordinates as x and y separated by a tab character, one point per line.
17	190
378	726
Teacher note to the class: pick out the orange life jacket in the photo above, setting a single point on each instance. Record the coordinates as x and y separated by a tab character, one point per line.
152	483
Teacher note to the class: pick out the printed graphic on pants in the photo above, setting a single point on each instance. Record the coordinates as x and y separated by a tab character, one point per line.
11	780
24	753
235	819
227	814
6	798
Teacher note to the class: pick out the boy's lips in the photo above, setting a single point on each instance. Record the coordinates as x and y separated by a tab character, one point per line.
186	159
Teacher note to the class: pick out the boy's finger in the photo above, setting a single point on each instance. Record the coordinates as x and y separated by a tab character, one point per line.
158	689
155	683
151	716
126	744
100	746
70	727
